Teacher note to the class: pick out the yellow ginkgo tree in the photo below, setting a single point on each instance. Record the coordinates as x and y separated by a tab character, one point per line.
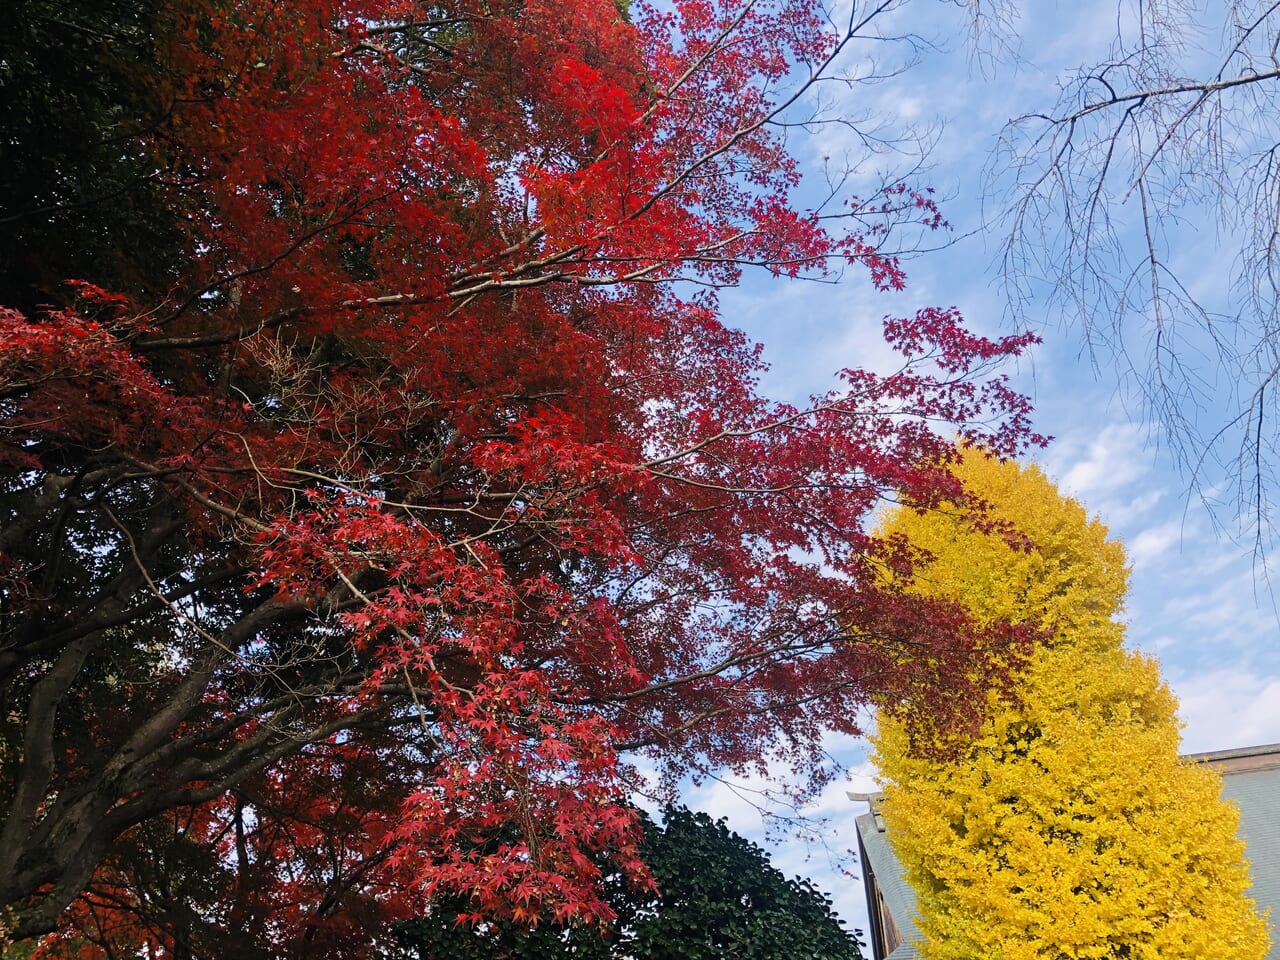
1067	827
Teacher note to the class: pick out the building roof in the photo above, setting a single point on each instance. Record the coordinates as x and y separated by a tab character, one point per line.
899	898
1250	779
1240	759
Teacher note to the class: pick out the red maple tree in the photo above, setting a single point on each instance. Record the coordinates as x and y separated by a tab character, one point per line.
352	566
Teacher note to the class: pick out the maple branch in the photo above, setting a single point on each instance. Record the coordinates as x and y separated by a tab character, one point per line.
219	339
699	62
466	286
288	250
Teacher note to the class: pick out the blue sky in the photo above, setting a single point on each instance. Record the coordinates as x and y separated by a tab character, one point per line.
1199	602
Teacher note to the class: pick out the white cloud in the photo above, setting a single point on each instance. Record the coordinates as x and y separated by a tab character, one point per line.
1229	707
1222	605
1154	542
812	330
1108	463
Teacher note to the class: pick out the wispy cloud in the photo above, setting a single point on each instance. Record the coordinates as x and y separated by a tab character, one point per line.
1099	467
1229	707
1154	543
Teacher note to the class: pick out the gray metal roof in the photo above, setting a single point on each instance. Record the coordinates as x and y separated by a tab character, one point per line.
899	898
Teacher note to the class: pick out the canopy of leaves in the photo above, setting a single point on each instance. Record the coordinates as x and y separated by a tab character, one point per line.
1067	827
83	85
717	896
357	526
